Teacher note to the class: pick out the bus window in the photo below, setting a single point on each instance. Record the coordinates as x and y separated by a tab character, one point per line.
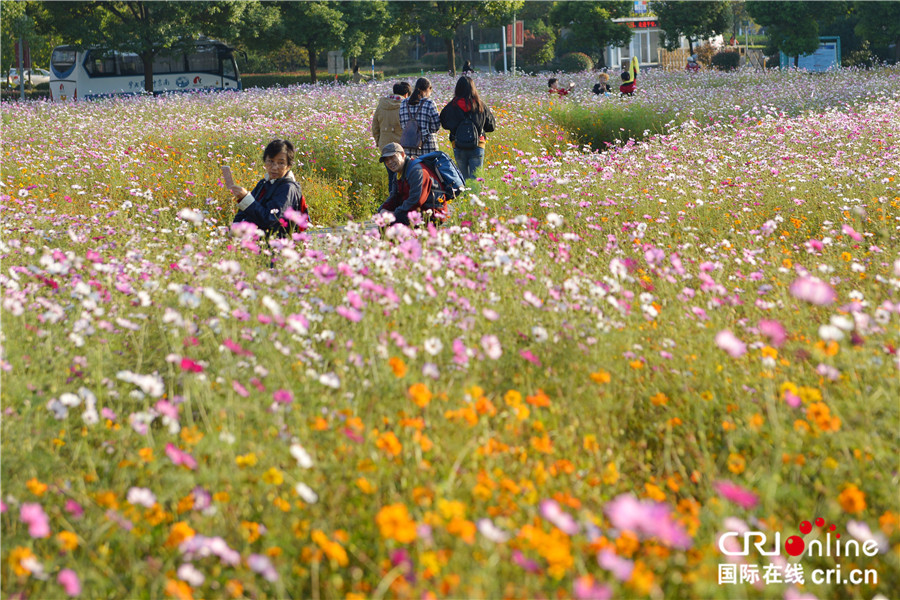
168	63
228	68
131	64
62	59
204	62
98	65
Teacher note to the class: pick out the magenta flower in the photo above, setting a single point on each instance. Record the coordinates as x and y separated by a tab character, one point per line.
349	313
735	493
235	347
525	562
728	342
812	290
68	579
34	516
774	331
74	509
239	389
530	357
851	232
283	396
180	457
190	366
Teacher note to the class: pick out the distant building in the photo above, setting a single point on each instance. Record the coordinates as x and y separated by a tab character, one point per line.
645	43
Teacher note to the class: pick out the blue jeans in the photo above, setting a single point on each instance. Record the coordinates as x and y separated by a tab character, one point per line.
469	161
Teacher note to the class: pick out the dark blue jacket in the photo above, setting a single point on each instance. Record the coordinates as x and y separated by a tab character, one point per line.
270	200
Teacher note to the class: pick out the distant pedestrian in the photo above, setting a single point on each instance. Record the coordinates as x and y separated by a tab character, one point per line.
629	77
386	122
603	86
467	69
553	85
467	118
420	109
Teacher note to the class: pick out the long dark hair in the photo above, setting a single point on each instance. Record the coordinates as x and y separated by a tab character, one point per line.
465	89
422	86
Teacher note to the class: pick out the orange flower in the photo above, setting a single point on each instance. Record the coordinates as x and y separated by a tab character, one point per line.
16	557
601	377
180	531
462	528
332	550
542	444
420	394
394	523
852	499
365	486
67	540
659	399
539	399
179	589
36	487
389	443
146	454
398	367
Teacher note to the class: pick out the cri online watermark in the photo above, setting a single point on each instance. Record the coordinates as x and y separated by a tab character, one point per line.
740	544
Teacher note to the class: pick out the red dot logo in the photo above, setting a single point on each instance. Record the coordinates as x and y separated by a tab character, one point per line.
820	522
794	545
805	527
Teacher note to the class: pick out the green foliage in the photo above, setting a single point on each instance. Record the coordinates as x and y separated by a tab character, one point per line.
793	27
728	60
590	27
575	62
600	126
860	58
315	26
693	20
267	80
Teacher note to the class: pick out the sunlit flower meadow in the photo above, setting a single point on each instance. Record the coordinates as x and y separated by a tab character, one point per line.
602	363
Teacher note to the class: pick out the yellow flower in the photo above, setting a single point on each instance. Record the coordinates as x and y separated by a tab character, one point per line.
852	499
332	550
420	394
180	531
736	463
191	435
512	398
394	523
365	486
36	487
398	367
247	460
273	476
590	443
451	509
610	474
16	557
67	540
146	454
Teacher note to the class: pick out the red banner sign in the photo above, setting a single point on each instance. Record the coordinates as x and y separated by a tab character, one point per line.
520	34
642	24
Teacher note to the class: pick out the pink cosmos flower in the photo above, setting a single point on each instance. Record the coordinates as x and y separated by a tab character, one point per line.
491	346
349	313
525	562
646	518
586	588
812	290
774	331
792	399
34	516
851	232
551	511
74	509
735	493
620	567
68	579
190	366
728	342
530	357
239	389
283	396
180	457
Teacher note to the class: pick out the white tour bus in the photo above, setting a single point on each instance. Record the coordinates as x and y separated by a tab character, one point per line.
81	74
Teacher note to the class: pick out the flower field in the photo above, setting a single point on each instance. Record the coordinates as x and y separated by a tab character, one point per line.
598	374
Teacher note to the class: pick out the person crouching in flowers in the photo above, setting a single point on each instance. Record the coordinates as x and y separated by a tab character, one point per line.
276	205
629	77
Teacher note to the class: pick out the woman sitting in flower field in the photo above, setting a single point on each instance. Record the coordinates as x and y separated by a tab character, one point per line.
276	205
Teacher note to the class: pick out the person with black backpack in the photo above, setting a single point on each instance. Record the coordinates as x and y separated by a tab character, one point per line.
467	118
419	120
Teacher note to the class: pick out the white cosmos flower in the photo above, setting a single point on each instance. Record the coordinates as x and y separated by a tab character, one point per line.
190	215
554	220
302	457
141	497
492	347
189	573
433	346
539	333
306	493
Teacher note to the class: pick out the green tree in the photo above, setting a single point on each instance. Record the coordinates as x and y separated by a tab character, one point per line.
145	28
316	26
373	28
879	22
693	20
442	19
793	27
590	27
20	20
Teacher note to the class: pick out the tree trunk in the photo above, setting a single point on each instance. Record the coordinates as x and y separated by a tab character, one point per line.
147	58
313	59
354	62
690	46
451	57
796	61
